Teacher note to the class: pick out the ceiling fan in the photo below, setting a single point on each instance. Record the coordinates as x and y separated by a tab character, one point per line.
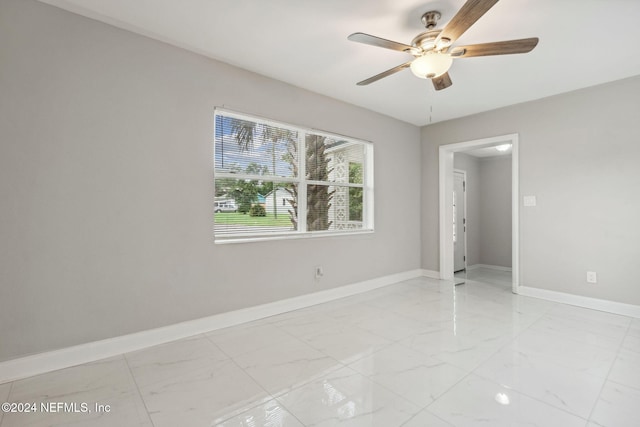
432	50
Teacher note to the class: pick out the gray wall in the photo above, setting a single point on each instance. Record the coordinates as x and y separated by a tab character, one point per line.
106	186
579	156
488	208
495	211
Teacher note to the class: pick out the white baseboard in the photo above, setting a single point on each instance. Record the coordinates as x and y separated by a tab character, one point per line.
24	367
431	273
491	267
581	301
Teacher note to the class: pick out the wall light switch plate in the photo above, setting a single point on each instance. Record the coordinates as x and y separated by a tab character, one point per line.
529	200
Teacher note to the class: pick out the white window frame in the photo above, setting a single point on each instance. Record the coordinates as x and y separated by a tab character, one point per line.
302	232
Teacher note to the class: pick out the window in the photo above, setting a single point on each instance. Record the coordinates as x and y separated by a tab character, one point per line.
264	170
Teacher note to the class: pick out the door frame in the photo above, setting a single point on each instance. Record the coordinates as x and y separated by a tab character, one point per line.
464	213
446	201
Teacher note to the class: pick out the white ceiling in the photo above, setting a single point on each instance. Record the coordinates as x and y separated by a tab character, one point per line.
304	43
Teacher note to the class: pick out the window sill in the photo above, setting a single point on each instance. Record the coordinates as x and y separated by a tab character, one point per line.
288	236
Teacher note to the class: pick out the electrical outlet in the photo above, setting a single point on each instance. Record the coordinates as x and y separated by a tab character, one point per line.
592	277
319	272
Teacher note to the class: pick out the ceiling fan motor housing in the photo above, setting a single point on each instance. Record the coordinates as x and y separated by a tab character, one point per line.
426	41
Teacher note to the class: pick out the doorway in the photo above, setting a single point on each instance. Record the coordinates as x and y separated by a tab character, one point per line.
459	221
447	184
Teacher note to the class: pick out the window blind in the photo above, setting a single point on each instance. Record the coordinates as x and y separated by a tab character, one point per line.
263	170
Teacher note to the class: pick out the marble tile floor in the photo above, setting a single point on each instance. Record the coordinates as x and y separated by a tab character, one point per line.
418	353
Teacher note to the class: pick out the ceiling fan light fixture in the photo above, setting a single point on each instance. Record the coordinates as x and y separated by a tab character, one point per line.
431	64
433	49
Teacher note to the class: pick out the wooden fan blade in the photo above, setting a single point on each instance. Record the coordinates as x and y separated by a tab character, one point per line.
468	14
496	48
385	74
442	82
379	42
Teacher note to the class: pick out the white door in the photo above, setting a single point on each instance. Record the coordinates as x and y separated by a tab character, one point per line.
459	222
